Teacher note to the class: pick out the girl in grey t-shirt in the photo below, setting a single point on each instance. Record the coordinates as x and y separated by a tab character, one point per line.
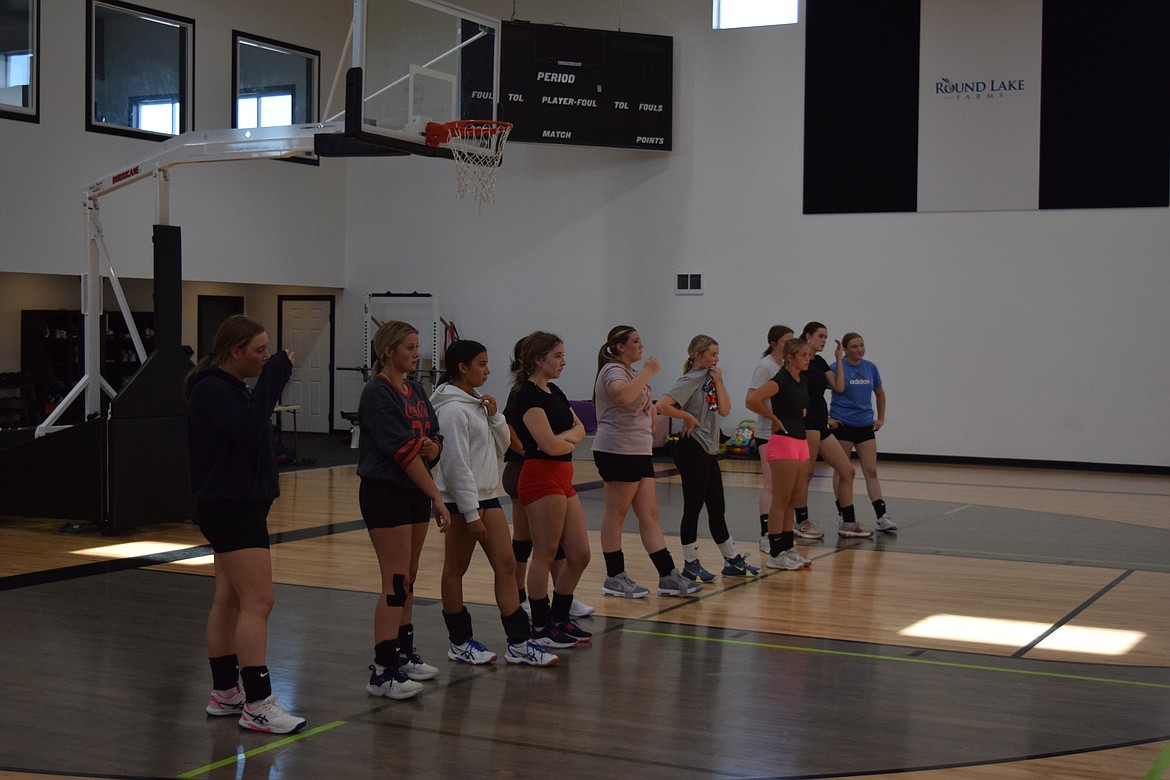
699	399
621	451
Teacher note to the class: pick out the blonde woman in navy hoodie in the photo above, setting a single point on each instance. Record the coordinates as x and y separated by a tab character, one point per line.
233	479
475	436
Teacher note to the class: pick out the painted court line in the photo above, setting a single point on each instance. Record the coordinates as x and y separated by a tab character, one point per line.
262	749
1161	764
900	659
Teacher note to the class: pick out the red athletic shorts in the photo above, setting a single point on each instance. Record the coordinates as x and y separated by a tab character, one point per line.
540	477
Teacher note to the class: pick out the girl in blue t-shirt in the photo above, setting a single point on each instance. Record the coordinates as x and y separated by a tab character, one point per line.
851	417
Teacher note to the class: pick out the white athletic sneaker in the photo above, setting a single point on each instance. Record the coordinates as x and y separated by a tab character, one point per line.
471	652
230	704
765	545
580	609
268	716
884	523
787	560
527	607
417	669
529	654
391	683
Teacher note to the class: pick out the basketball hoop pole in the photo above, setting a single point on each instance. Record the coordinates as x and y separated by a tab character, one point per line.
190	147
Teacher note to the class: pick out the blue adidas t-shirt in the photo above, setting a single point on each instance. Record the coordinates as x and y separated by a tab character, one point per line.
855	406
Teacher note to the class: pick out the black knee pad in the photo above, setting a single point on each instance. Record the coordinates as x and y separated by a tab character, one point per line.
522	549
398	597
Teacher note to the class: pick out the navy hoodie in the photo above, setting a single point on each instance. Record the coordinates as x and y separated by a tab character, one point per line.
229	433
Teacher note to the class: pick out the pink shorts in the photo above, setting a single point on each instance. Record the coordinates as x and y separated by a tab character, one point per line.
787	448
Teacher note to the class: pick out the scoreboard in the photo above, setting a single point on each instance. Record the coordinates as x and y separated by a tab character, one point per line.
580	87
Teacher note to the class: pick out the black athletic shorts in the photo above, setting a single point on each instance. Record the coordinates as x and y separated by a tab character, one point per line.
854	434
623	468
511	478
233	525
386	505
491	503
818	426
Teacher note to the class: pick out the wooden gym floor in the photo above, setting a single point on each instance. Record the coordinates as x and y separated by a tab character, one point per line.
794	675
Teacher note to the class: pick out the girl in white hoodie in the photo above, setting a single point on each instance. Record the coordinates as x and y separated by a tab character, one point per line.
468	476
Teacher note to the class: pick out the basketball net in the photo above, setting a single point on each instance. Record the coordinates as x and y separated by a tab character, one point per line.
477	146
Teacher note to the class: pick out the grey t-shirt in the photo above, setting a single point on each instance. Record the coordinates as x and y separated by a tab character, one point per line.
765	370
621	430
695	393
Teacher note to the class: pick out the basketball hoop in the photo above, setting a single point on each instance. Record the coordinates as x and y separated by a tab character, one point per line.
476	145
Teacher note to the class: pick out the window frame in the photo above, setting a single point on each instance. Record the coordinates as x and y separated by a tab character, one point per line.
312	92
33	112
186	63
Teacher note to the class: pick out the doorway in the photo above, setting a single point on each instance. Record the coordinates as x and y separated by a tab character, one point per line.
305	326
212	311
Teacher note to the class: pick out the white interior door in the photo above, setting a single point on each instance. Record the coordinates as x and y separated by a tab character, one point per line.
305	329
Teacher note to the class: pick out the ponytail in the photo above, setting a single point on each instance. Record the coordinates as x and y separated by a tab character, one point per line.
775	333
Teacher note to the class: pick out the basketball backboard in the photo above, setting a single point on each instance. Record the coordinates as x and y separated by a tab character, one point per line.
414	62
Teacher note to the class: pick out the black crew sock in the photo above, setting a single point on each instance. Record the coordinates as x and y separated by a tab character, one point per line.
540	612
458	626
879	508
523	595
615	563
406	640
764	524
386	653
801	514
848	515
516	627
787	540
663	562
225	672
837	504
257	683
775	542
560	606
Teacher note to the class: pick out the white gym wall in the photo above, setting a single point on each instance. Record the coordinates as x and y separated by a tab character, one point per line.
1004	334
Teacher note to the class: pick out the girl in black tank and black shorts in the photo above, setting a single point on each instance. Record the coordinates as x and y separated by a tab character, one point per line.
821	378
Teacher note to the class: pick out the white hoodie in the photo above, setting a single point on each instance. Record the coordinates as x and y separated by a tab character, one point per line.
473	443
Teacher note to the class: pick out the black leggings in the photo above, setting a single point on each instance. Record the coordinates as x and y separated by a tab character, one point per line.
702	483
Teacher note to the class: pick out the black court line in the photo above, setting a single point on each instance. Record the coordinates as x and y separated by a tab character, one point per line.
1013	487
1083	606
50	773
966	764
95	568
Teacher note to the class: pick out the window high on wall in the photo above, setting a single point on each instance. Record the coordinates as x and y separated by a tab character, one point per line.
19	65
726	14
275	83
140	65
